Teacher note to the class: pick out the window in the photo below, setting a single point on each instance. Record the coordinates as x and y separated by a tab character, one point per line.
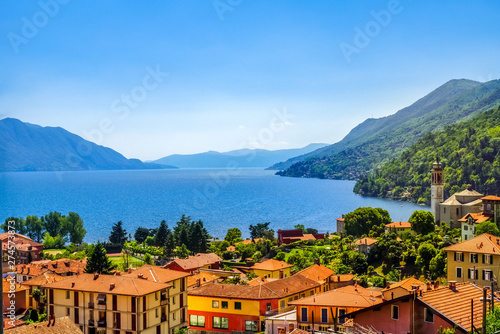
324	315
488	259
459	272
215	304
428	315
237	305
473	258
296	297
487	275
341	316
466	228
67	311
251	326
197	320
458	212
268	307
303	315
302	295
225	305
282	304
173	300
472	273
156	295
156	312
67	294
395	312
459	256
218	322
290	299
311	293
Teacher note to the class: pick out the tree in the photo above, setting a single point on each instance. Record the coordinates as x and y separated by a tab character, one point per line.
361	220
299	227
141	233
437	266
182	252
493	321
19	225
233	235
74	226
198	238
182	231
169	246
487	227
34	228
259	230
118	234
425	253
98	260
49	241
148	259
53	223
161	234
311	230
422	222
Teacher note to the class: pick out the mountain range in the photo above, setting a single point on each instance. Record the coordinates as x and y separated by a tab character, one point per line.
242	158
376	141
30	147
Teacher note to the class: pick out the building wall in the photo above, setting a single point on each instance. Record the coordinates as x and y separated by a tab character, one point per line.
468	230
272	274
382	319
19	299
466	264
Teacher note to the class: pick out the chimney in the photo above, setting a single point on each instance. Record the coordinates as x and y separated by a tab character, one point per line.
436	285
118	273
387	285
139	276
415	288
72	284
129	270
198	283
111	286
96	276
429	284
452	285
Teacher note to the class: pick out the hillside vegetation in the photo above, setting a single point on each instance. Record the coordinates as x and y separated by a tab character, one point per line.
376	141
469	152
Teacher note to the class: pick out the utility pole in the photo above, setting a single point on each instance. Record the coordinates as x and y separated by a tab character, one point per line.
483	329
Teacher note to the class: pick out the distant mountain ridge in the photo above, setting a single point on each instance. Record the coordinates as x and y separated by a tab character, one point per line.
375	141
30	147
243	158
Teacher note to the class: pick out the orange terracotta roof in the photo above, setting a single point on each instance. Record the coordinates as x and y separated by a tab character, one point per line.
299	331
405	284
342	278
366	241
22	242
61	267
477	217
271	290
348	296
10	286
156	274
8	323
249	241
128	286
198	261
316	272
455	304
256	281
58	326
231	249
340	219
204	278
43	279
271	265
399	225
491	198
482	244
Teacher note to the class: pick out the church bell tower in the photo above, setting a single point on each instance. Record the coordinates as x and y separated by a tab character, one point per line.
437	187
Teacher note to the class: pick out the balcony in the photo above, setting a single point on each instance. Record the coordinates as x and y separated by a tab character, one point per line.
101	323
163	317
164	301
91	305
101	305
91	323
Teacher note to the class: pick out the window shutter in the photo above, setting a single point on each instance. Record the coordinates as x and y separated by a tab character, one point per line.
455	256
491	259
483	259
483	275
468	273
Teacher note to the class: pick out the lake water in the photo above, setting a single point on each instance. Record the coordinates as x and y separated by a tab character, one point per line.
221	198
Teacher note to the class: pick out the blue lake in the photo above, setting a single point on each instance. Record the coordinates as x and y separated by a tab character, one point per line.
221	198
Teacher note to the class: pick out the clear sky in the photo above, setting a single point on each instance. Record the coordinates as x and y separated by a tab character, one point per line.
154	78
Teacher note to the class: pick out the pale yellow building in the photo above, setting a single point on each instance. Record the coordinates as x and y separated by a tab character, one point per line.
111	304
476	260
177	293
272	269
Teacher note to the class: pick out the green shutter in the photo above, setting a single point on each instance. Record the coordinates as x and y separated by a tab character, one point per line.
484	259
483	275
491	259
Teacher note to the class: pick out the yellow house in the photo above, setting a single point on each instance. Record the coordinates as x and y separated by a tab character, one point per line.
177	317
272	269
243	308
402	288
111	304
398	227
476	260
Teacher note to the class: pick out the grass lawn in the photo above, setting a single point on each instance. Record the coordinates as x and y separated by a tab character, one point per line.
134	261
53	251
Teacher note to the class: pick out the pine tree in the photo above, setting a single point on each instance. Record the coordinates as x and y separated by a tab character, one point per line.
98	261
161	234
118	234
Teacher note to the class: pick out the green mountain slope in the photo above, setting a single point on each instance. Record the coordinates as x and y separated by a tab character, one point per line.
375	141
469	152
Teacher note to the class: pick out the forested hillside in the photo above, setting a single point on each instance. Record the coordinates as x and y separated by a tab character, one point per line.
376	141
469	152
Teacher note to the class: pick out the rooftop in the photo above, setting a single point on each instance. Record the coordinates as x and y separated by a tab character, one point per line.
156	274
58	326
482	244
399	225
197	261
348	296
317	272
271	265
476	217
110	284
491	198
43	279
61	267
366	241
405	284
8	286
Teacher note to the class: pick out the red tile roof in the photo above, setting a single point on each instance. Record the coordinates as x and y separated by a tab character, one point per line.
43	279
482	244
156	274
271	265
58	326
491	198
399	225
476	217
348	296
61	267
12	286
22	242
198	261
405	284
112	284
366	241
317	272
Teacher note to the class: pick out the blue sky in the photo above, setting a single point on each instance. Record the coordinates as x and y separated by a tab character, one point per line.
229	74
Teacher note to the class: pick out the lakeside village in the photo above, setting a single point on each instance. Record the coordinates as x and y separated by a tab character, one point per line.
433	274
